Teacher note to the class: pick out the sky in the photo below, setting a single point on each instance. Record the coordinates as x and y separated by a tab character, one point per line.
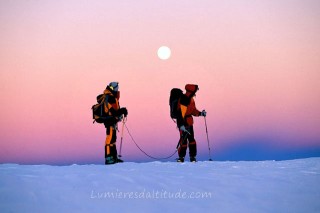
256	64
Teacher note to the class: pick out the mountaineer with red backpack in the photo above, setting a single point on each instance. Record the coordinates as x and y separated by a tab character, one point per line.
182	109
108	112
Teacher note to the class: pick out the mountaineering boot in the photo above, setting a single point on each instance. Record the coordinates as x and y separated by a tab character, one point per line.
180	159
119	160
110	160
193	159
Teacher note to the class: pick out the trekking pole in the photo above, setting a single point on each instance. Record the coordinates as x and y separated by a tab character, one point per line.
123	121
205	121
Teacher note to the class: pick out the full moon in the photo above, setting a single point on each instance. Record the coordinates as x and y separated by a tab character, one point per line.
164	53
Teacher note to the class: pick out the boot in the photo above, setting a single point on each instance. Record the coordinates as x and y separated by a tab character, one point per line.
109	160
180	159
193	159
119	160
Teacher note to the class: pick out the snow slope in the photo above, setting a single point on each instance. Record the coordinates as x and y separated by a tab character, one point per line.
264	186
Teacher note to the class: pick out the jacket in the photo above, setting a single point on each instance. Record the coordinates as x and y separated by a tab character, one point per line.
111	106
187	106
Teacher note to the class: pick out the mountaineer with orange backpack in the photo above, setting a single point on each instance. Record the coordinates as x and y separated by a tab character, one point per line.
185	109
108	112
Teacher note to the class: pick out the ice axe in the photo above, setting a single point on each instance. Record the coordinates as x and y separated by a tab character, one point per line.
184	138
186	132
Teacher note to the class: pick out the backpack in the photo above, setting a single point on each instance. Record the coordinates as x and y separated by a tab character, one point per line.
175	95
98	113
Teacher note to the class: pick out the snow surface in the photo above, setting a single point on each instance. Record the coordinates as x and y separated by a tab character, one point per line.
256	186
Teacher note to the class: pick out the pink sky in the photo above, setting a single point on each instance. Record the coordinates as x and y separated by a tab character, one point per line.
256	63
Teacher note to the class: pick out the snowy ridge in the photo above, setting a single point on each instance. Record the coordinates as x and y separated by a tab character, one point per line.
247	186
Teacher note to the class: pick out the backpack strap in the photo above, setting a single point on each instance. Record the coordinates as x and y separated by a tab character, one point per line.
105	102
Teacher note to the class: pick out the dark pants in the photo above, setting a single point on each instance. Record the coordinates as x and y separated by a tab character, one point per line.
184	139
110	143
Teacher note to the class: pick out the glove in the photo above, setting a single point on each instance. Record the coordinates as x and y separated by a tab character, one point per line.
123	111
203	113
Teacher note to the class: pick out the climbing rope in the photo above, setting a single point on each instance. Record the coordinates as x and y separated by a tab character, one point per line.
144	151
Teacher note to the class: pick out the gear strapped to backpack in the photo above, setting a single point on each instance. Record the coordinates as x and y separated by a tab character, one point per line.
98	113
175	95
